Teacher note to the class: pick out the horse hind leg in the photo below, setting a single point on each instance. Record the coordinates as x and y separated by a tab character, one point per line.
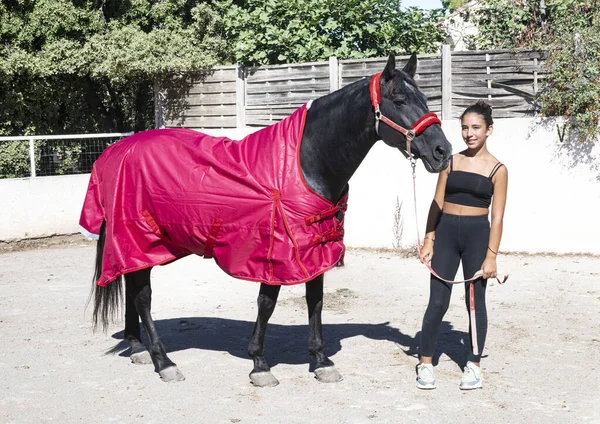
138	288
325	370
139	353
261	373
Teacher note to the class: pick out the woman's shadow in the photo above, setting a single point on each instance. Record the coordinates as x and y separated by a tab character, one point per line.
287	344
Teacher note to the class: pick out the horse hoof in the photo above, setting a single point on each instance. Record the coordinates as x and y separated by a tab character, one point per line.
328	375
141	358
263	379
171	374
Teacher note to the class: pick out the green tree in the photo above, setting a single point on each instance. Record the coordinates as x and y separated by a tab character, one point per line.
504	24
90	65
453	5
572	88
568	31
285	31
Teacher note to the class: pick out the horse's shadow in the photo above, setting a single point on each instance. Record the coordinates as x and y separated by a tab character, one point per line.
288	344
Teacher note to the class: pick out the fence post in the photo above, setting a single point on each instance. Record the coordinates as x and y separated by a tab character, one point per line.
535	77
32	157
159	115
334	81
488	71
240	97
446	82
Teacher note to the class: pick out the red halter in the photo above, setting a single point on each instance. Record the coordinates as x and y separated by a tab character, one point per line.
421	125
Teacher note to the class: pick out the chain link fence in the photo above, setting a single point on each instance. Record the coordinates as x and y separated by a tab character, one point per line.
36	156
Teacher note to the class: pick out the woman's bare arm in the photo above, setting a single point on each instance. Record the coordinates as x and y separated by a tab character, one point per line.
435	213
496	226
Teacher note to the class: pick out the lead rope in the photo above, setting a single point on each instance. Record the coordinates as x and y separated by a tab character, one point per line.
471	281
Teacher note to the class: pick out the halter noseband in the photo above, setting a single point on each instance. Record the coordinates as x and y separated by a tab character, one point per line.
421	125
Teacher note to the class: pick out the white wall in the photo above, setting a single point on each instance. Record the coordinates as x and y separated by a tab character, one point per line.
553	195
43	206
553	191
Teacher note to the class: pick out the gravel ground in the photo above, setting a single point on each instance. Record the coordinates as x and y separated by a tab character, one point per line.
540	362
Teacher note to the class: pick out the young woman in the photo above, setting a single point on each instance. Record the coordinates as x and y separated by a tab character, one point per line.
458	229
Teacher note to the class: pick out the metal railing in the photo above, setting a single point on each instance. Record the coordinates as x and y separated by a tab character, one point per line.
74	156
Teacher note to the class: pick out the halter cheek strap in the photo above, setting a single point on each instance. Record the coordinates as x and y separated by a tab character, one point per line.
418	127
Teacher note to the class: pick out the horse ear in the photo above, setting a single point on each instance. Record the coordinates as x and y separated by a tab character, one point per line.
388	72
411	66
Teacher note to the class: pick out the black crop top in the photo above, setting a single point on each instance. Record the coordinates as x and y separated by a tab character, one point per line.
470	188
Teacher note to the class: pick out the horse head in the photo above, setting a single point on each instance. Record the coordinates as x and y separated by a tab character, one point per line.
403	119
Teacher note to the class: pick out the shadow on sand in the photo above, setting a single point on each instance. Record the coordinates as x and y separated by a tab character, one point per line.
287	344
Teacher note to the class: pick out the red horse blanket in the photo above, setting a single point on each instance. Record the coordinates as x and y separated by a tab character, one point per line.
169	193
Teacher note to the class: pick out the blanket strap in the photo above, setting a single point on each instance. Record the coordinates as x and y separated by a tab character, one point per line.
211	238
326	213
335	234
152	223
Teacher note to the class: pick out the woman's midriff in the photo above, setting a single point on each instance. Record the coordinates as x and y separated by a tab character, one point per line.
454	209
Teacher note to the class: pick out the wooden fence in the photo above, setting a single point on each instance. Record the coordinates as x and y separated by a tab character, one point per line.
508	80
231	97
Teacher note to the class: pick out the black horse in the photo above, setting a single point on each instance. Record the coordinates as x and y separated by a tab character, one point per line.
340	130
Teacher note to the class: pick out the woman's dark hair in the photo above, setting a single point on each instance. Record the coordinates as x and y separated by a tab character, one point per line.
480	108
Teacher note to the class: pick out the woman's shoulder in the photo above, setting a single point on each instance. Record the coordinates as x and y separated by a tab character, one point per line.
499	169
492	161
495	162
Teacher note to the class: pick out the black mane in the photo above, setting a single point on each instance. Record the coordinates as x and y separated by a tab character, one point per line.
339	132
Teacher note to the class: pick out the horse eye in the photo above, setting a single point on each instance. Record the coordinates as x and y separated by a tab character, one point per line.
399	100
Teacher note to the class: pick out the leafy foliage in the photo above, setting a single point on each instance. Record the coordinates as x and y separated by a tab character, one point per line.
568	31
506	24
14	159
573	87
90	65
286	31
452	5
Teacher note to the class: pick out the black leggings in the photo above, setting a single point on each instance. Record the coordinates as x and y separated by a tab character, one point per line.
456	237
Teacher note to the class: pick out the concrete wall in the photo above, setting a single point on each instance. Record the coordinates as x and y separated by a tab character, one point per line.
42	206
553	195
553	191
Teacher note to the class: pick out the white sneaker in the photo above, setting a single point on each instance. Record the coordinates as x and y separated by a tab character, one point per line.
425	377
472	377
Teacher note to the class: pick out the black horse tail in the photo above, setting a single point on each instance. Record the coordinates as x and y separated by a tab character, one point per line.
108	300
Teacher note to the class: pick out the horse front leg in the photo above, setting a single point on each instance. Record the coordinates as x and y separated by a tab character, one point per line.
138	287
325	370
261	374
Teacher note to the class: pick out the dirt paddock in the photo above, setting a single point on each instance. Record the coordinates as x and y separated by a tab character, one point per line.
540	361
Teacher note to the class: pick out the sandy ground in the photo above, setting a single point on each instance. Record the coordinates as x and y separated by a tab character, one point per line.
540	363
